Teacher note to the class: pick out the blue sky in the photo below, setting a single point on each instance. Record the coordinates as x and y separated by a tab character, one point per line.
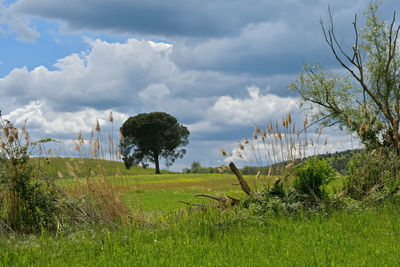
218	66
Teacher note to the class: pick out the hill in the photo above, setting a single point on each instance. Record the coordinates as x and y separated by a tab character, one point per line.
61	167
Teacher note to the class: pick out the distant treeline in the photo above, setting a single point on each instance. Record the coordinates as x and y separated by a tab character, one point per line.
197	168
338	161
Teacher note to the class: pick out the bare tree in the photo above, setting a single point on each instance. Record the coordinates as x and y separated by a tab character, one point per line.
365	100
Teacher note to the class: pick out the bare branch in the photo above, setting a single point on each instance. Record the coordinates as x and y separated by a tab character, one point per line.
212	197
245	187
192	204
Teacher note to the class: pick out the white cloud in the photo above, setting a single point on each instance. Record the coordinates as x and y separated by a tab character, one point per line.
130	77
110	74
41	119
204	126
257	108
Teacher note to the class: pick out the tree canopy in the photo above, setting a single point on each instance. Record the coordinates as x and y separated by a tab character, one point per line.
149	136
365	100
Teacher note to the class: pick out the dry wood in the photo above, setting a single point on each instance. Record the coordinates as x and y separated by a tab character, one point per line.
224	202
192	204
212	197
243	184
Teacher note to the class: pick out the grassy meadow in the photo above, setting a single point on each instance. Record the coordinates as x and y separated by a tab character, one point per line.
167	234
141	188
366	238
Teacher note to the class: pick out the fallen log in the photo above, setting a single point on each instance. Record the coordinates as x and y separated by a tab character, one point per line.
224	202
228	201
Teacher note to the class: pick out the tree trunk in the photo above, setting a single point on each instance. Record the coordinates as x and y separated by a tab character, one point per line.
157	163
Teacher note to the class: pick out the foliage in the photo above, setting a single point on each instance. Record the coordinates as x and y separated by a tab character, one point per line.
312	177
31	200
27	200
338	160
277	191
197	168
151	136
366	238
366	101
369	173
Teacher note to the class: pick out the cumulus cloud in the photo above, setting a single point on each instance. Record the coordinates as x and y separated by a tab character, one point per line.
257	108
130	77
111	74
214	51
40	118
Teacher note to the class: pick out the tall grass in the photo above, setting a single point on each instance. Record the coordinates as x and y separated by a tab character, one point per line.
354	238
276	149
103	199
31	200
280	142
27	200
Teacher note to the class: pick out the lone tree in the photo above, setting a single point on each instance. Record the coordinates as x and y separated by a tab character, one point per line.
365	101
149	136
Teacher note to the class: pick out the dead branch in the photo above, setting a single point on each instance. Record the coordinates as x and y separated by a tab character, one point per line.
224	202
243	184
192	204
233	201
212	197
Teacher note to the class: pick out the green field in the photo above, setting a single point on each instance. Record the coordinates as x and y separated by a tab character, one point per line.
142	188
167	234
367	238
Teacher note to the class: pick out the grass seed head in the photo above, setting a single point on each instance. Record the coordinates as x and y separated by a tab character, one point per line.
362	128
269	171
110	117
6	131
14	132
255	136
97	126
305	122
246	141
80	138
10	139
223	153
241	147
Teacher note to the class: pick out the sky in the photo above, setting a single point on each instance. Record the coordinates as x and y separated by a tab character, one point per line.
219	67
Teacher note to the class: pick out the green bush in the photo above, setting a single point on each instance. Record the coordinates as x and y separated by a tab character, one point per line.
27	201
277	191
312	177
368	173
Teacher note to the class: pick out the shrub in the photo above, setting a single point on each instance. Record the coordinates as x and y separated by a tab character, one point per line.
369	172
277	191
312	177
27	200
